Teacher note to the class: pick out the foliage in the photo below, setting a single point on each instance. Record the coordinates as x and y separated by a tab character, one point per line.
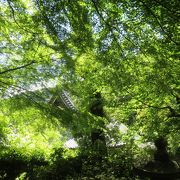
128	51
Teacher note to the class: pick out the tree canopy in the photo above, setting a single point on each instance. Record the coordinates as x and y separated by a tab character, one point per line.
127	50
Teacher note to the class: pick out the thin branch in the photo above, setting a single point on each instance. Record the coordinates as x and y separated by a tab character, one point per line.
115	38
13	15
172	111
175	13
157	20
17	68
13	12
108	25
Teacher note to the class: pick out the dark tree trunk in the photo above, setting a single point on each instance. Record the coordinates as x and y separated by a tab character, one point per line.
97	135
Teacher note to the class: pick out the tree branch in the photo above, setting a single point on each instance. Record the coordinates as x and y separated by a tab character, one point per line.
17	68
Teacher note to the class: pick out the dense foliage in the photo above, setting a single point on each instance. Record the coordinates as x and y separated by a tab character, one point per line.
126	50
